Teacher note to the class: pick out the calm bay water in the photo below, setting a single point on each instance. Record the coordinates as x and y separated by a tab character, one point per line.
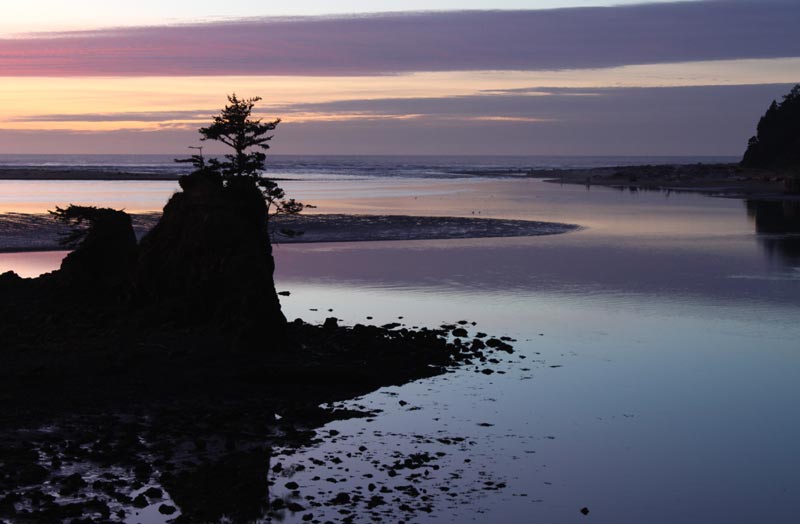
671	321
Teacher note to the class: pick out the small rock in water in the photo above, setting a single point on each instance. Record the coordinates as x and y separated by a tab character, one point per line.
585	511
154	493
341	498
166	509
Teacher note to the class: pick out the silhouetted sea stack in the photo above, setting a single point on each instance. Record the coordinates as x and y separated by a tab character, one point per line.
209	259
161	318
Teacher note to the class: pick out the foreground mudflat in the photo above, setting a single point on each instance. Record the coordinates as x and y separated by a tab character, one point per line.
27	232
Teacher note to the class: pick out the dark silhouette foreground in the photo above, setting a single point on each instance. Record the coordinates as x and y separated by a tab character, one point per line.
165	363
129	353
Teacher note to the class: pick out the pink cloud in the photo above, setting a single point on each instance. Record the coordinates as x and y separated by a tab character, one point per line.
395	43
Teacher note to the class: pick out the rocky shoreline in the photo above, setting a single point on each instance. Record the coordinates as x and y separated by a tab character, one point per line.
726	180
106	411
159	374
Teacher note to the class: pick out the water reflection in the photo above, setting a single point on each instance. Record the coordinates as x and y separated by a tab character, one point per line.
777	224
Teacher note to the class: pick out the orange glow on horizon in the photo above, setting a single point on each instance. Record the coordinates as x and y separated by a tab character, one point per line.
26	102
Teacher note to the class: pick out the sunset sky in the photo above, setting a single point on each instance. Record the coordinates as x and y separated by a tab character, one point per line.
470	77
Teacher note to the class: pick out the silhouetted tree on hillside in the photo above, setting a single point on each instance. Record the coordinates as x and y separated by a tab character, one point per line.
777	142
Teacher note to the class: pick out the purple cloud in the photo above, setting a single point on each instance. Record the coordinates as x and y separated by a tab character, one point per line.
442	41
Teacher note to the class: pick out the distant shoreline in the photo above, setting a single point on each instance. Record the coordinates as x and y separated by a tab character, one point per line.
65	174
723	180
94	174
714	179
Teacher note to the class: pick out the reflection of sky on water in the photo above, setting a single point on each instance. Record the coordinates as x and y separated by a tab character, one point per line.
718	269
29	265
676	330
666	409
39	196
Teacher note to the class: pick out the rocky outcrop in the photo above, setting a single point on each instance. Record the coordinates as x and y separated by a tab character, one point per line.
209	259
104	261
206	266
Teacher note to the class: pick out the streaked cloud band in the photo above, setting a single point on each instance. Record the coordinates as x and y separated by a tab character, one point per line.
384	44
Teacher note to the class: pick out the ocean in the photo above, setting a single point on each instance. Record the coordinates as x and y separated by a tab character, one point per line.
353	166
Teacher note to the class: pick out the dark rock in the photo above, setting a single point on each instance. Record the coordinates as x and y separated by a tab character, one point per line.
331	323
585	511
294	507
210	258
341	498
72	484
234	486
8	279
154	493
375	501
105	258
166	509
